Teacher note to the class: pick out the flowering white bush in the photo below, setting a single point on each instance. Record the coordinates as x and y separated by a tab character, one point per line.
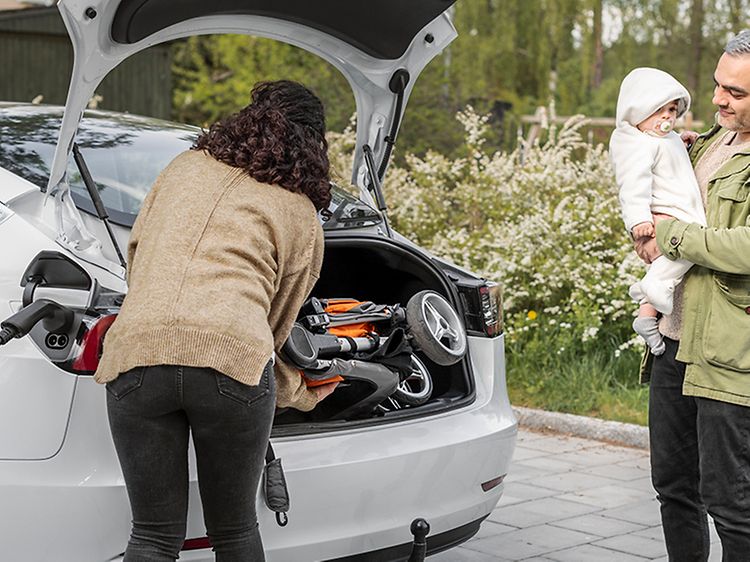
543	221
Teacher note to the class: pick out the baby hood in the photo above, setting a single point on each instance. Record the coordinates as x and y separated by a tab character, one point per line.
644	90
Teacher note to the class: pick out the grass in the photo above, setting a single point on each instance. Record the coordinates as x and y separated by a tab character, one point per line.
590	381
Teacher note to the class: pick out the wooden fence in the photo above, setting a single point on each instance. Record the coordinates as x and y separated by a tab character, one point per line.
543	118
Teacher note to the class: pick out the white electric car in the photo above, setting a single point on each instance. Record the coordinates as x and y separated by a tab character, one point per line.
356	483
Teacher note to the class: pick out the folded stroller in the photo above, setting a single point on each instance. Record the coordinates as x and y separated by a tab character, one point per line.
380	345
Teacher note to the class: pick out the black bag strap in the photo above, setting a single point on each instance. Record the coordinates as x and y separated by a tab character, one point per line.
275	491
270	455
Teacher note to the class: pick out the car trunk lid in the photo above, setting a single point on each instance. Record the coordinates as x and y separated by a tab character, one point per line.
367	42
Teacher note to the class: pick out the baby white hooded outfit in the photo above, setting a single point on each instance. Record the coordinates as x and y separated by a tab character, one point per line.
654	174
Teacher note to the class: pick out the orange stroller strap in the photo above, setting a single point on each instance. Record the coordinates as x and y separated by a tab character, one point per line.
310	383
341	305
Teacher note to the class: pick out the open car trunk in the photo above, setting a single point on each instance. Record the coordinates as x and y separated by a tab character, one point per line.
373	268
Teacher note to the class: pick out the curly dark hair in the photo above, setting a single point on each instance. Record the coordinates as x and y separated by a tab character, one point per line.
279	138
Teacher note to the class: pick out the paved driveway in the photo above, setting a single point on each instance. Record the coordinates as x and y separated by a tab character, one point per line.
572	500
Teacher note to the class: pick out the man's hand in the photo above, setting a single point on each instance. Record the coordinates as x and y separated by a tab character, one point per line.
688	137
647	249
324	390
644	230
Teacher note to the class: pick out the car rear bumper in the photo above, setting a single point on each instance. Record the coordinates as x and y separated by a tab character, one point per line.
435	544
358	491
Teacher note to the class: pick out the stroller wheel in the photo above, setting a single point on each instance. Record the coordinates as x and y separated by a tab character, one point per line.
436	328
415	389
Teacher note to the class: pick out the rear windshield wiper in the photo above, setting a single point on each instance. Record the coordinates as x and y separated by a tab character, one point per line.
96	199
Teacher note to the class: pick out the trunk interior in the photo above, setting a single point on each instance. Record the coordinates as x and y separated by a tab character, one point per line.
378	270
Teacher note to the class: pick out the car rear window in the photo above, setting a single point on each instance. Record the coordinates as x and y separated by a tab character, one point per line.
124	153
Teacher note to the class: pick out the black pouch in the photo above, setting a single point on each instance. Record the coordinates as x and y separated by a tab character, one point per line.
395	353
275	491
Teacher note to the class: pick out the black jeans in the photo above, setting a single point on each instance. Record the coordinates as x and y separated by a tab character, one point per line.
151	412
700	462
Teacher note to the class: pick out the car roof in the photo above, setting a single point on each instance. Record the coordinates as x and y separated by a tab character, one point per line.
382	29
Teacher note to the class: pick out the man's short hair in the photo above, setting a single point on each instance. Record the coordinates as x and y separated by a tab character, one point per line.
739	44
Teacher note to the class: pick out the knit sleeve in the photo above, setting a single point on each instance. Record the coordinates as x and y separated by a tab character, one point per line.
632	159
291	391
294	289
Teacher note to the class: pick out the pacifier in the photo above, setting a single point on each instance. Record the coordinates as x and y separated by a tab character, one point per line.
664	126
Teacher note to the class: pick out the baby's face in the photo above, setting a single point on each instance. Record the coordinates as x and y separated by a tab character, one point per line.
661	121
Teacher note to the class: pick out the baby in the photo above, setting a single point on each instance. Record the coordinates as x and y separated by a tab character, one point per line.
654	174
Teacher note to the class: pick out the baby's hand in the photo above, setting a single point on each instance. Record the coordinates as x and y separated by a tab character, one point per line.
688	137
643	230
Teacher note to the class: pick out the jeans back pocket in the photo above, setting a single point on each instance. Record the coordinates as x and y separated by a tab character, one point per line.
126	383
245	393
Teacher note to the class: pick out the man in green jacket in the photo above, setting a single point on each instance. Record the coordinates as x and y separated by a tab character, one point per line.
699	410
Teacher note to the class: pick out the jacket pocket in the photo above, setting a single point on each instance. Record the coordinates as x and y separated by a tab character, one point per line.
244	393
126	383
736	191
727	330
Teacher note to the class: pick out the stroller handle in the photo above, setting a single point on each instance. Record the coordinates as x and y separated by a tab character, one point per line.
305	349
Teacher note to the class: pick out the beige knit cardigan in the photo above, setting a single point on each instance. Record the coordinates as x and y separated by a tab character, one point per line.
218	267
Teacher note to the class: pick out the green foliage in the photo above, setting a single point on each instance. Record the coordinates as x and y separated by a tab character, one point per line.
214	75
552	372
543	220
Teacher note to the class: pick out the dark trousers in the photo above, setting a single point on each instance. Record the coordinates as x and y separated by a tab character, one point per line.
700	462
151	411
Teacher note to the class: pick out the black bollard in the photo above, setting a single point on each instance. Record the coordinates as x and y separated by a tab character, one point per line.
419	529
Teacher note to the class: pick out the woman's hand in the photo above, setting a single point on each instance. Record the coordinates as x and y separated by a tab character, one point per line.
324	390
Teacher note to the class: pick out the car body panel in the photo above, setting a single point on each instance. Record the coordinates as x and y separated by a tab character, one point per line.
35	395
11	186
35	399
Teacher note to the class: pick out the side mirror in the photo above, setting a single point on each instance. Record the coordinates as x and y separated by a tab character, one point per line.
53	269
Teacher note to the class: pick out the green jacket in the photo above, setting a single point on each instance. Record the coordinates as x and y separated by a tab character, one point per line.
715	340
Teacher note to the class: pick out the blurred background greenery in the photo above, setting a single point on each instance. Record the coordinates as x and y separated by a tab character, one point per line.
510	57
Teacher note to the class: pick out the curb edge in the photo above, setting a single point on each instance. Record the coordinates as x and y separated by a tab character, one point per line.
618	433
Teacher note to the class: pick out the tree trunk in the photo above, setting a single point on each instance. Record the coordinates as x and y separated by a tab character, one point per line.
696	47
735	15
597	54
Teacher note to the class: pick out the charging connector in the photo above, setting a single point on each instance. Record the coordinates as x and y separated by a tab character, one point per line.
55	318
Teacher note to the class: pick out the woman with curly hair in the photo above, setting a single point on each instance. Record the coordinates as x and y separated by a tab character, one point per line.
222	255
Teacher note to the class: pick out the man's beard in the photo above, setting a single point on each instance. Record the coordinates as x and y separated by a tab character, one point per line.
735	122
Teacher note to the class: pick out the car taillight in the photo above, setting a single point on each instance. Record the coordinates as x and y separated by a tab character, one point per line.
483	306
196	544
90	349
494	483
